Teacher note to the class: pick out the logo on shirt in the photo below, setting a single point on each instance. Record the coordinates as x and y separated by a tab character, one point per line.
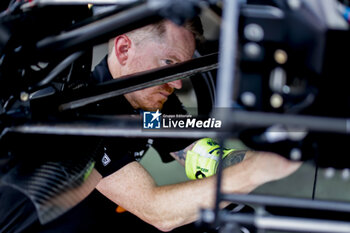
105	159
151	120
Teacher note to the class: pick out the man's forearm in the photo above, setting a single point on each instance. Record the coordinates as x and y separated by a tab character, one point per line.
171	206
179	204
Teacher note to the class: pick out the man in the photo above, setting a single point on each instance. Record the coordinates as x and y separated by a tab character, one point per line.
125	182
171	206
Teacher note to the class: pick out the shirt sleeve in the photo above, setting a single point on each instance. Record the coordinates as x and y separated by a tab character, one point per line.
112	156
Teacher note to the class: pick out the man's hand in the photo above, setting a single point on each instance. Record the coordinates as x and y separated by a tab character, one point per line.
203	158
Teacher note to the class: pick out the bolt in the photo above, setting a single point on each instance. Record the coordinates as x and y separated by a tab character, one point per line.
295	154
276	100
278	79
24	96
252	50
294	4
253	32
280	56
248	98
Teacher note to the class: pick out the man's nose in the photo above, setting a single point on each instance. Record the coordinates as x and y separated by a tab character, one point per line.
177	84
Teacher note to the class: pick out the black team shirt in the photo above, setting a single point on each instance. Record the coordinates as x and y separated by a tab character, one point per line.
95	213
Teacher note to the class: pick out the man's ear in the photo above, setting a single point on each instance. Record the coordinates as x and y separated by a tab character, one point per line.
122	45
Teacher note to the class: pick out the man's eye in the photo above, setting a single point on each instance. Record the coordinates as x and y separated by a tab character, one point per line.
168	62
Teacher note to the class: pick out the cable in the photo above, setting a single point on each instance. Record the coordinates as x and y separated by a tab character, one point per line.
59	68
316	173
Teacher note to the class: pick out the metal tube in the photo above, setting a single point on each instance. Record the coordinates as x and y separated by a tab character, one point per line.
59	68
226	74
142	80
110	130
301	224
315	123
290	224
83	2
228	53
101	30
287	202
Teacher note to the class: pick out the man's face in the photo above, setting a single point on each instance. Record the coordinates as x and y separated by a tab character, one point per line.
178	45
